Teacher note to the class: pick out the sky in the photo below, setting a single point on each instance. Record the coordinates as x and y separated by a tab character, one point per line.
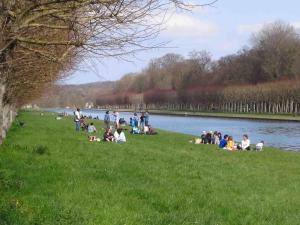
222	29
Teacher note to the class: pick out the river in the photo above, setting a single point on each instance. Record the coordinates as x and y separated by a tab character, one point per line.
279	134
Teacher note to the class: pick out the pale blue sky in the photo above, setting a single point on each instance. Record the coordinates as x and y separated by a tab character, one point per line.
221	30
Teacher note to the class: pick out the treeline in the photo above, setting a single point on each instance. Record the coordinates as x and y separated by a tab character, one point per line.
73	95
260	78
42	41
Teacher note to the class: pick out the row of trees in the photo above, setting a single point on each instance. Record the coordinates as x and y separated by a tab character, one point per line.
254	79
271	97
42	41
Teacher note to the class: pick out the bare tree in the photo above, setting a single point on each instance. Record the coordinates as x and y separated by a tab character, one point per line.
41	40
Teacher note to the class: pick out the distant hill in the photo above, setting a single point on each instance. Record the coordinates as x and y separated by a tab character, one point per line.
74	95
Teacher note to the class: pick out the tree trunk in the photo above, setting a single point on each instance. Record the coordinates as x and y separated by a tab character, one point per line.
7	115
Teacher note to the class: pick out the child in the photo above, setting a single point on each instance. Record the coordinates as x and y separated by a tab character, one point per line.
259	146
230	144
92	128
108	136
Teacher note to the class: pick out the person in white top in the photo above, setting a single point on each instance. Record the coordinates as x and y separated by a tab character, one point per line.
116	119
77	115
92	128
245	143
119	136
146	129
259	146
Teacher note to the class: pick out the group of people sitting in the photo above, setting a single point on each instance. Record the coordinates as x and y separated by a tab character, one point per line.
118	136
139	125
227	142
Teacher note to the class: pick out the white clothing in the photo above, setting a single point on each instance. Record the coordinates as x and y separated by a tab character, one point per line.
146	129
259	146
116	117
119	137
245	144
77	115
91	129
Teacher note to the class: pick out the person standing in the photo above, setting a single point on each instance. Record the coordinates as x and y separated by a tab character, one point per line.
142	122
77	118
116	119
147	118
107	120
135	120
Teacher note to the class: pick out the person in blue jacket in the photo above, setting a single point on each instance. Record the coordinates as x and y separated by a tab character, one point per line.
223	142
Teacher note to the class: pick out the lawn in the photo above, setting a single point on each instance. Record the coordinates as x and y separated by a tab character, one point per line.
49	174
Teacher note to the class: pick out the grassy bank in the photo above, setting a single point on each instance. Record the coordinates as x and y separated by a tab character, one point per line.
254	116
49	174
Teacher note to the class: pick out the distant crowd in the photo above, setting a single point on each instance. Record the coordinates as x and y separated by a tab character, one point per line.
114	126
226	142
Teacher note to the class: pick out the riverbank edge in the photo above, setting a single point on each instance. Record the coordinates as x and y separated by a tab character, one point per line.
246	116
46	112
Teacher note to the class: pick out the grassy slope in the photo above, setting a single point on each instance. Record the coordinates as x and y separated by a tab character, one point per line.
152	180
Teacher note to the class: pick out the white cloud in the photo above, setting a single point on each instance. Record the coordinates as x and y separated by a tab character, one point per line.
296	24
249	28
183	25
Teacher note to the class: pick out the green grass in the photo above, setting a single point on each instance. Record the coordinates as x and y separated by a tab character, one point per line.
49	174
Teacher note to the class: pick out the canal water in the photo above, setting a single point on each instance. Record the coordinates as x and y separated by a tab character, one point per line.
284	135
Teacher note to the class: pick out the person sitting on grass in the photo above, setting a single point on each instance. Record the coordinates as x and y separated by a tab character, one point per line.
216	139
230	144
259	146
203	137
135	130
92	128
209	137
245	143
108	136
151	131
223	142
119	136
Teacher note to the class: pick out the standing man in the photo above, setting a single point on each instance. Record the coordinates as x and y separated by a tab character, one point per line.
107	120
77	118
142	122
147	118
116	119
